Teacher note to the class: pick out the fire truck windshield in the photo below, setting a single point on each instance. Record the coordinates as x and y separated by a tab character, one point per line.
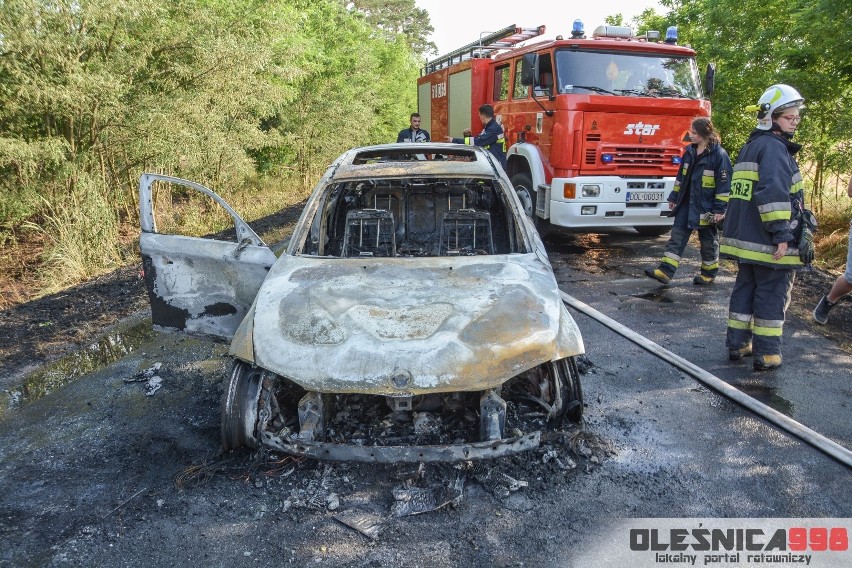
626	74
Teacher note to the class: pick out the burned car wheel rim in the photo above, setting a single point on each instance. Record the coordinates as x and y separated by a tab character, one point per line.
240	407
570	391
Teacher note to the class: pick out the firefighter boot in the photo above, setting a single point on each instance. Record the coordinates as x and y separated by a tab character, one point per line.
658	275
737	354
766	362
701	280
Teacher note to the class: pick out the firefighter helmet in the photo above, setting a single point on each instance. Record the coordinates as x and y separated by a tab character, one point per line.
775	98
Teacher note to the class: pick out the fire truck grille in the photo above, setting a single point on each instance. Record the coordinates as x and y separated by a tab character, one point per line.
632	157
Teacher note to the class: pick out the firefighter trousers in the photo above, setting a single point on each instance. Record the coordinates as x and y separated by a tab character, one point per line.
708	237
759	301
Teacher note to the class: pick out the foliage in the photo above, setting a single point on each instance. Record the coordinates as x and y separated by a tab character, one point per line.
349	95
650	20
756	43
225	93
833	234
398	18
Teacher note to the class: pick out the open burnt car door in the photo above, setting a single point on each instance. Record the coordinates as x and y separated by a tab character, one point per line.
199	285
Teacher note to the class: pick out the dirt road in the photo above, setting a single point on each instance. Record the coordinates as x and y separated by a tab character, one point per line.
113	469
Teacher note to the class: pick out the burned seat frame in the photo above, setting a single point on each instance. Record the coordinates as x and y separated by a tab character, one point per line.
369	232
466	232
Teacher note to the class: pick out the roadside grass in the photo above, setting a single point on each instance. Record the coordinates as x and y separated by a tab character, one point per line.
182	211
82	233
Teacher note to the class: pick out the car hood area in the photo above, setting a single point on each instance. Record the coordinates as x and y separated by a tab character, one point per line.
409	325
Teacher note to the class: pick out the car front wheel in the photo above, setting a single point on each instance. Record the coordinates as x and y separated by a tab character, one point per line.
240	407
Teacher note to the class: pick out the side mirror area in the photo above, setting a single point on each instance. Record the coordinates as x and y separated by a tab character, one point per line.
529	71
710	79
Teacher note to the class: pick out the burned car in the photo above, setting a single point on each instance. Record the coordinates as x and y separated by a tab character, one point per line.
413	315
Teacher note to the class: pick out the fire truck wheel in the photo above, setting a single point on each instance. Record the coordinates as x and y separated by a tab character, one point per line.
523	187
526	193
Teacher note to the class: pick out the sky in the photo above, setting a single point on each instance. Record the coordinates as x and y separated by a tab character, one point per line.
459	22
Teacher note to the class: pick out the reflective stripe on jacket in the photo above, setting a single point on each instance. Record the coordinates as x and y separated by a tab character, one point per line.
765	186
709	179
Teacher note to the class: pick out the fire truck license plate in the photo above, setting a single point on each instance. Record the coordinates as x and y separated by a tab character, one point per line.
644	196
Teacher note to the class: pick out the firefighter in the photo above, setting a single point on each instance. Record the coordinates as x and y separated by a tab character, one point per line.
414	133
765	188
491	138
698	202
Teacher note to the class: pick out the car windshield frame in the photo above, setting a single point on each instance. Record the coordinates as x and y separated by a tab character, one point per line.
627	73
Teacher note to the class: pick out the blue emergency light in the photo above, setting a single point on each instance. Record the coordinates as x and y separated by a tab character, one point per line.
606	158
676	160
671	34
577	29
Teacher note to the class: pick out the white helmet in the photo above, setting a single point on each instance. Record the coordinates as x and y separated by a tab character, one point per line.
774	99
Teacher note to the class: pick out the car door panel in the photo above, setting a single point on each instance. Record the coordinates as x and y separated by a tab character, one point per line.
199	285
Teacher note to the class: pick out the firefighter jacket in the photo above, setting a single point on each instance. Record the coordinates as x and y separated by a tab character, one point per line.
702	184
491	138
765	187
411	135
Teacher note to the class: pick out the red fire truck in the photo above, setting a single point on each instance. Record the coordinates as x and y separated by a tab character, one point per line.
595	127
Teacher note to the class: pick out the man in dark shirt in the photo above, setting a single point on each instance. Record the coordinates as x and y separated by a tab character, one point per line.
413	133
491	137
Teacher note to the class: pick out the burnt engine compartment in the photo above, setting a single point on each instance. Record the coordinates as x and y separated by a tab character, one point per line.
260	408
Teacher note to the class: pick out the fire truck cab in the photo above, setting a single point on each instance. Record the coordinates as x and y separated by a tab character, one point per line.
594	127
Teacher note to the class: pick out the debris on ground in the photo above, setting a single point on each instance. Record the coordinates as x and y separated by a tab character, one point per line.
332	502
551	455
153	385
591	447
416	500
150	376
584	364
366	523
146	374
316	495
498	483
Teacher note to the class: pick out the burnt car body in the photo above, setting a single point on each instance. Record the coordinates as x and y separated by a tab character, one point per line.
412	314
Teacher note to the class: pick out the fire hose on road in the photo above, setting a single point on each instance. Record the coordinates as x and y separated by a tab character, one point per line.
783	421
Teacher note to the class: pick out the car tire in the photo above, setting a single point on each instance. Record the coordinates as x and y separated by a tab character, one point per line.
652	231
523	185
570	390
239	413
